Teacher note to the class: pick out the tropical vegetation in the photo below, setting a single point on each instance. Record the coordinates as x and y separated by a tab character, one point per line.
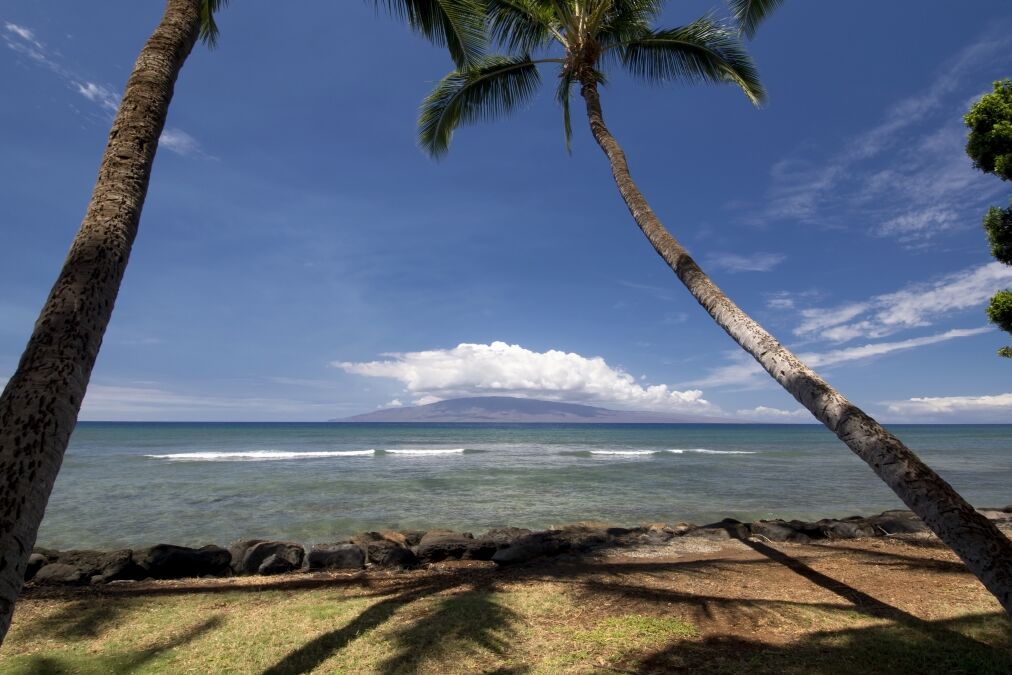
989	145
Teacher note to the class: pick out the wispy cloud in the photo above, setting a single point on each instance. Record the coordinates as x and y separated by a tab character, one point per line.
947	405
906	177
917	305
755	262
23	41
510	370
837	356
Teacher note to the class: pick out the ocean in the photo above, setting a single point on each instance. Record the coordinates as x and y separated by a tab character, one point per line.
137	484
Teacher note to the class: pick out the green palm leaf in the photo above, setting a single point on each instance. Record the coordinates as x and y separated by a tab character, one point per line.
457	24
492	87
520	25
750	13
703	51
208	27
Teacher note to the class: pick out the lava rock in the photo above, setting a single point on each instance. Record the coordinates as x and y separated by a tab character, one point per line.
289	552
61	574
336	556
778	530
897	522
36	561
503	537
438	545
166	561
386	553
534	545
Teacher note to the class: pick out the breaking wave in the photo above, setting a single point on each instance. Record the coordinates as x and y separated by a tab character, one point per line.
258	455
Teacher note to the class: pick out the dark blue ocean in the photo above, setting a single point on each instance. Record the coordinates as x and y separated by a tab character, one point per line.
134	484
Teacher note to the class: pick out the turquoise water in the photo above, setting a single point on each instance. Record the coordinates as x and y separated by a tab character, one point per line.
133	484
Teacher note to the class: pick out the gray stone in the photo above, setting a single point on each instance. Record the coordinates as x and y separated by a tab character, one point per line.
166	561
274	564
36	561
336	556
778	530
535	545
237	549
386	553
60	573
289	552
441	545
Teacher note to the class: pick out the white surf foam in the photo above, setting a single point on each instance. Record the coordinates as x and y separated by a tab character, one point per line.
428	451
630	453
705	451
258	455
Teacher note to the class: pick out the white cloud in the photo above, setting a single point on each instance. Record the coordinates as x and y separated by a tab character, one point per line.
915	306
838	356
907	177
745	372
99	94
756	262
944	405
23	41
396	403
179	142
510	370
767	413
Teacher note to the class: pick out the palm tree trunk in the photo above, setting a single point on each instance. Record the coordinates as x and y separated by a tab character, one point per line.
39	406
982	547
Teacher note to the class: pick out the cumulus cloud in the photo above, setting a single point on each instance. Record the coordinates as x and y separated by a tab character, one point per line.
944	405
766	413
756	262
511	370
915	306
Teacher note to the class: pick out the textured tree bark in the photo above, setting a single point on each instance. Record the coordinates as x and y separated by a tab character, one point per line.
982	547
39	406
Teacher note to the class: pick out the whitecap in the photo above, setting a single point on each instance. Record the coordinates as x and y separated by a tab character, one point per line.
422	453
258	455
705	451
628	453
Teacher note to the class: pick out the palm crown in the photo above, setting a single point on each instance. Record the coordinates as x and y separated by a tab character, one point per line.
591	36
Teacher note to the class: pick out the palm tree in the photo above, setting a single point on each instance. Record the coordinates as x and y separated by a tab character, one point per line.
590	35
39	405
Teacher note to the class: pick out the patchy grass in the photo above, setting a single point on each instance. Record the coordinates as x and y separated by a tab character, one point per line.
791	610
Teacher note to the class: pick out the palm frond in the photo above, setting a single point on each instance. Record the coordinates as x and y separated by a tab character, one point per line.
456	24
750	13
562	93
703	51
492	87
520	25
208	28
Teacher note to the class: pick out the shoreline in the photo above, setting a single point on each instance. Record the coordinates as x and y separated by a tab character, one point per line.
412	550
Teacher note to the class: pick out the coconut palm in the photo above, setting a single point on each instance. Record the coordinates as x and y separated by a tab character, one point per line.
583	38
39	405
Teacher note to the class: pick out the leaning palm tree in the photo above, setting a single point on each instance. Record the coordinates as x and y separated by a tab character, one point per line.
39	405
584	37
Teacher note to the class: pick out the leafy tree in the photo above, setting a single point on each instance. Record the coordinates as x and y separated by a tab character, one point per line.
39	405
583	38
990	147
990	122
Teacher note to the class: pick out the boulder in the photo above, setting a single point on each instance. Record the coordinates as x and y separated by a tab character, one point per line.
60	573
440	545
778	530
729	528
166	561
274	564
897	522
289	555
505	536
237	549
99	566
534	545
386	553
849	528
336	556
36	561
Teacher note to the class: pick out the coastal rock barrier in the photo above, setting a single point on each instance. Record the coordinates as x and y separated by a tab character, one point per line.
409	550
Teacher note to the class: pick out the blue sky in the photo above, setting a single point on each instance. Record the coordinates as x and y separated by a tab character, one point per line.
299	258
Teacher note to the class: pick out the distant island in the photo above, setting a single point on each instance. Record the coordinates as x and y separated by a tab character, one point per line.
509	409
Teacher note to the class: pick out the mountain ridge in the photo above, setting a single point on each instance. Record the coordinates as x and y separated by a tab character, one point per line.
511	409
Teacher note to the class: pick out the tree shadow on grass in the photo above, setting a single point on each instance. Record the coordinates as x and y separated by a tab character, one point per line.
316	651
78	620
891	648
468	623
116	662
